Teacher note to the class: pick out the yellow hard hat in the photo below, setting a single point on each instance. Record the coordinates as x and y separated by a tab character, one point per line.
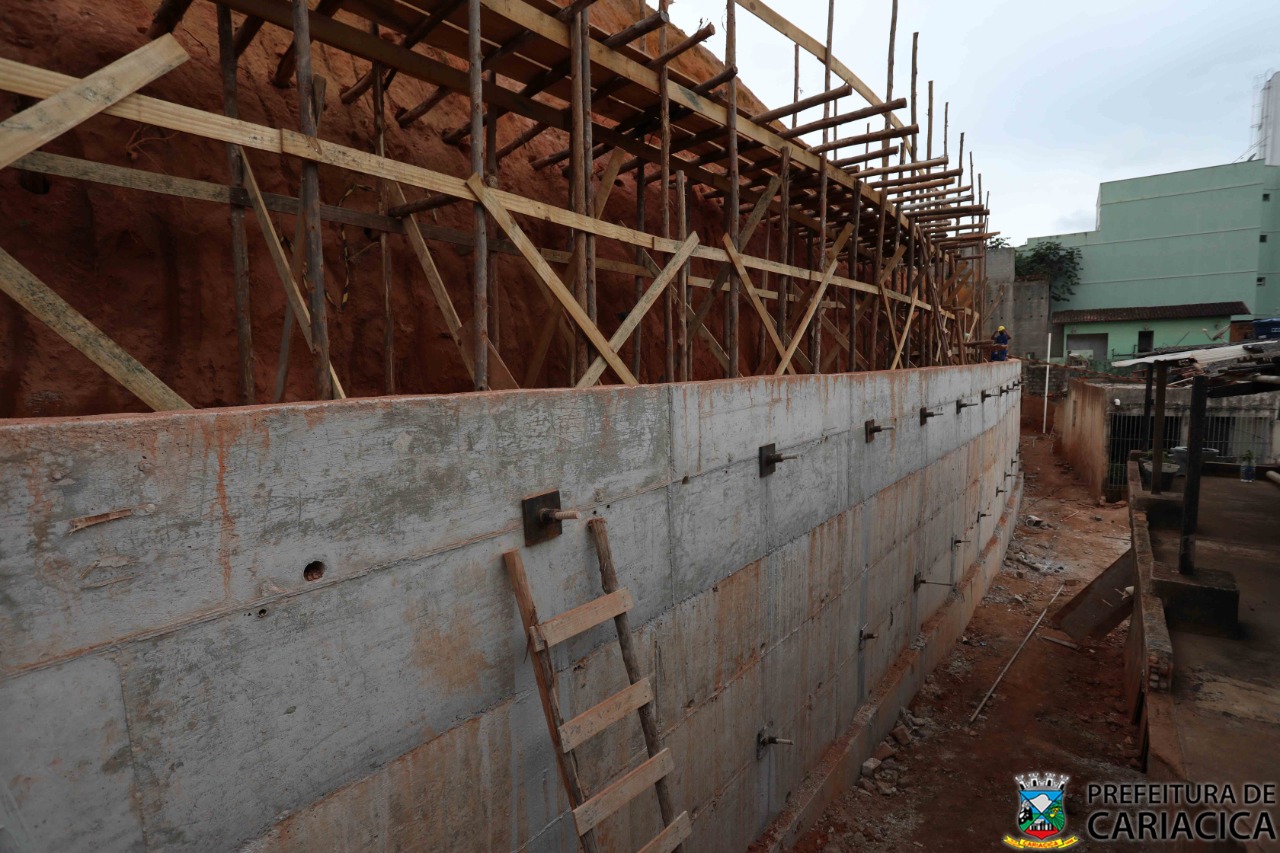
1001	329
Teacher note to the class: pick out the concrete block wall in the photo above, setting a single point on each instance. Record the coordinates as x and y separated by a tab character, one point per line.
175	682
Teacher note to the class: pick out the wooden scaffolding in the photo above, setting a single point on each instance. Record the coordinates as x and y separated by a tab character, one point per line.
876	257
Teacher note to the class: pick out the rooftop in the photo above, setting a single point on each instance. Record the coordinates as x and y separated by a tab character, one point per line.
1151	312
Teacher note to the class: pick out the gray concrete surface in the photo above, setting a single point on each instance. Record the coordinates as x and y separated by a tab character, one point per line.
174	682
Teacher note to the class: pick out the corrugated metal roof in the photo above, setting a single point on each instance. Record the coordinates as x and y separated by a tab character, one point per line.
1150	312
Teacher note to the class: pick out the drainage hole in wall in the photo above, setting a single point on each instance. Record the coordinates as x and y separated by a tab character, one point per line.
314	570
262	614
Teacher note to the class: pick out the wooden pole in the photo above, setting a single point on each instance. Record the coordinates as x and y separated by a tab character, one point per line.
309	202
480	253
915	69
731	202
384	244
929	132
578	175
1157	440
638	285
239	244
682	230
588	184
888	89
784	227
491	171
664	114
815	343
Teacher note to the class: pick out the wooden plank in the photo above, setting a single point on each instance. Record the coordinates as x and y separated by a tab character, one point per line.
530	252
35	296
582	618
25	79
642	307
40	83
544	25
284	268
593	812
500	378
556	319
752	296
1100	606
886	294
26	131
590	723
816	301
139	179
671	837
816	48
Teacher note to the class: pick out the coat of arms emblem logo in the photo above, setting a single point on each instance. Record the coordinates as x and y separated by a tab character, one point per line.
1042	813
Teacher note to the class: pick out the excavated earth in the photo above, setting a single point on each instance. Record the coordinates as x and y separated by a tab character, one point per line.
154	272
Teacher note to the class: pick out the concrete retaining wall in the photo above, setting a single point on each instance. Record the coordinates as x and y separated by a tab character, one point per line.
1081	421
175	682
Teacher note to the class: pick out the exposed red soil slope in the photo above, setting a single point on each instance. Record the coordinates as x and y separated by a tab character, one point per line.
154	272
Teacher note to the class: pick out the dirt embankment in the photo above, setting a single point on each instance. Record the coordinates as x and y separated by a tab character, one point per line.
154	272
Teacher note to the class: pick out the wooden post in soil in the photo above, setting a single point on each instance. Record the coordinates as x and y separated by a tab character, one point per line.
578	174
491	171
309	202
664	117
815	342
682	229
384	244
731	200
638	285
480	253
588	184
239	244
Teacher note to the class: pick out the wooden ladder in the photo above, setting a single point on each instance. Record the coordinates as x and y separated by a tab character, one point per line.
590	812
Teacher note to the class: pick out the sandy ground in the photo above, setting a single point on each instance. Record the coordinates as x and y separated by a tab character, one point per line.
1057	710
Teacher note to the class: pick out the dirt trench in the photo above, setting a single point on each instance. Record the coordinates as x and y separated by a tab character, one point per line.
951	787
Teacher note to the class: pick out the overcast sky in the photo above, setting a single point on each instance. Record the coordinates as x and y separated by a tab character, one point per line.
1053	98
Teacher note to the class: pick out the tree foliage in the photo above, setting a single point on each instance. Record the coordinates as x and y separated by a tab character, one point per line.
1052	261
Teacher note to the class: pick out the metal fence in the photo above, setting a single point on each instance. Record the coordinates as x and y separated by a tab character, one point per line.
1228	437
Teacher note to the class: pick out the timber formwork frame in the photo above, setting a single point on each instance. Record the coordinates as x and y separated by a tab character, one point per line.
867	264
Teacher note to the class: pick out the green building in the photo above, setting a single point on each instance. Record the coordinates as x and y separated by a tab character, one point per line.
1174	260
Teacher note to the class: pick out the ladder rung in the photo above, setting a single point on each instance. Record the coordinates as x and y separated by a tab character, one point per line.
590	723
573	622
671	837
621	791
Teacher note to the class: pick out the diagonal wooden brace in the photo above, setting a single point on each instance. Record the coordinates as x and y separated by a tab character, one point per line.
34	295
642	307
43	122
834	254
522	243
754	298
284	267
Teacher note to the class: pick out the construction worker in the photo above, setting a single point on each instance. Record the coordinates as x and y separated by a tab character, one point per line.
1000	345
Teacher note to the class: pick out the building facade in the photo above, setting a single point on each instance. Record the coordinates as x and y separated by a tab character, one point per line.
1173	260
